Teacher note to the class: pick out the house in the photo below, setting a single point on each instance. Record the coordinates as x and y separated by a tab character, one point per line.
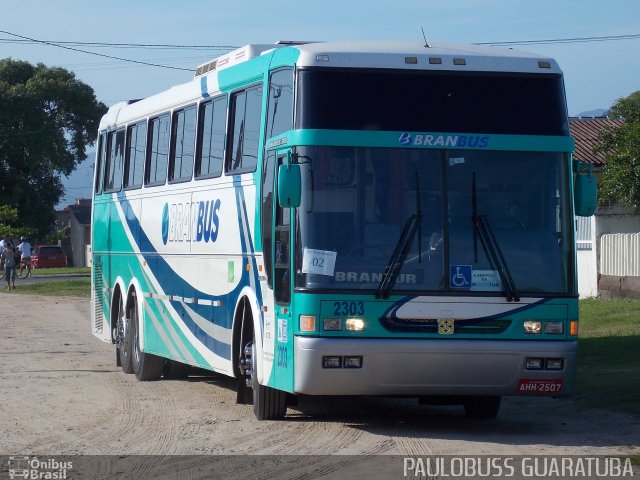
77	217
596	274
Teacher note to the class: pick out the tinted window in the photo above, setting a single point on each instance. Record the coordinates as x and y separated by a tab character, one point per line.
246	109
99	162
183	140
115	157
432	102
280	113
49	250
158	156
134	162
267	213
211	138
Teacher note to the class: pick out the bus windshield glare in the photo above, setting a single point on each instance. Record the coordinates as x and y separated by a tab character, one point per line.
357	201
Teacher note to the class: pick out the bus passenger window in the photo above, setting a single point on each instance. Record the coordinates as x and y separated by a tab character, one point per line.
99	163
134	160
158	152
183	139
246	113
211	131
115	157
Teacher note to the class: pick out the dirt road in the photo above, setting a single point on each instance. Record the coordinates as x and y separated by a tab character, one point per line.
61	394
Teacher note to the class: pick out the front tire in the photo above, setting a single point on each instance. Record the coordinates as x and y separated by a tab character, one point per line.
268	403
146	366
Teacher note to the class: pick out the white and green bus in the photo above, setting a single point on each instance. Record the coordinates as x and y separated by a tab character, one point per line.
359	218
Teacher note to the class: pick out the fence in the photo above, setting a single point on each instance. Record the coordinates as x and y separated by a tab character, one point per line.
620	254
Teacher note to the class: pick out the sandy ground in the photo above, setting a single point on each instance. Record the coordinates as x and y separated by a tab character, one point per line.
62	394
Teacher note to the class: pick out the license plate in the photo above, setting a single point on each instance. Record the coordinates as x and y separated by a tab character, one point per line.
542	386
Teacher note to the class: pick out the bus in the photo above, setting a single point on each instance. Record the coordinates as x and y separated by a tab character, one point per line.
345	218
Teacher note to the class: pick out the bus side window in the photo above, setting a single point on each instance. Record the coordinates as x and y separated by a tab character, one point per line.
134	159
114	161
183	139
211	132
245	119
280	113
157	151
97	187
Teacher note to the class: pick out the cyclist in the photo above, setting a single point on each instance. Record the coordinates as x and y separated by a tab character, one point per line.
25	254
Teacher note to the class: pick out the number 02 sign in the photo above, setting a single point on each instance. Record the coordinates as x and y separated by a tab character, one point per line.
319	262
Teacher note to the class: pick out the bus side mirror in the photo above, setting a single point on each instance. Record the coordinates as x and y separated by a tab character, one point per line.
585	192
289	185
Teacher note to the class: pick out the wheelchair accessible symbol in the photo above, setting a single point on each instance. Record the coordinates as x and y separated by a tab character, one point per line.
460	276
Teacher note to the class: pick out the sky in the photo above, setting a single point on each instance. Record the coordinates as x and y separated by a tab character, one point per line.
597	73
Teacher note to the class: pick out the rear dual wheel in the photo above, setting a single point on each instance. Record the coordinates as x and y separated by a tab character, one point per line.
146	366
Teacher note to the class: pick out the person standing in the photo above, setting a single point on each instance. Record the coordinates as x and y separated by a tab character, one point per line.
8	255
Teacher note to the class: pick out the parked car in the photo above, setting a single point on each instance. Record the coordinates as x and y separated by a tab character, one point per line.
48	256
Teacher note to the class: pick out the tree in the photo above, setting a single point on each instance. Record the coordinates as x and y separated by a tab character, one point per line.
620	179
47	119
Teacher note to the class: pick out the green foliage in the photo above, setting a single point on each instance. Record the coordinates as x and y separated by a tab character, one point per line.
47	119
9	223
621	177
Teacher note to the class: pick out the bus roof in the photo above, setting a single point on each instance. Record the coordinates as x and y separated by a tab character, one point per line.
409	55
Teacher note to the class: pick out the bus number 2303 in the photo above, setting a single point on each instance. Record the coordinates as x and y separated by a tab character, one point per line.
348	308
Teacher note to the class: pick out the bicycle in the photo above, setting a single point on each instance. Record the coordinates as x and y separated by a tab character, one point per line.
24	269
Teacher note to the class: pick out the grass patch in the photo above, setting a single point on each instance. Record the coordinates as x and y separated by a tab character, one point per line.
60	271
608	358
70	287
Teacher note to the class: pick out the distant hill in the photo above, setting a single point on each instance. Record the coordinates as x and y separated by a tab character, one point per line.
78	184
598	112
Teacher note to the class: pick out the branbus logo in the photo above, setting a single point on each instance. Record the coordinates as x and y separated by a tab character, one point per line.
191	222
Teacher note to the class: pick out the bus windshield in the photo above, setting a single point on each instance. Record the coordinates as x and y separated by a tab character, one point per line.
358	200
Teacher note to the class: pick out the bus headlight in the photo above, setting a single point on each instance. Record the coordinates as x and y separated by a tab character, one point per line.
532	326
354	324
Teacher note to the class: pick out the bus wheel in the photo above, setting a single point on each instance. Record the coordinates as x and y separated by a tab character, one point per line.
123	340
145	365
482	407
268	403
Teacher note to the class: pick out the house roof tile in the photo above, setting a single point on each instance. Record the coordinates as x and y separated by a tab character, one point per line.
585	135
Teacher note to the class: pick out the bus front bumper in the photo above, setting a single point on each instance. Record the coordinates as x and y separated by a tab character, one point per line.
417	367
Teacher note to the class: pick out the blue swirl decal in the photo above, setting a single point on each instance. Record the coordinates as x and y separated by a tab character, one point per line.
165	223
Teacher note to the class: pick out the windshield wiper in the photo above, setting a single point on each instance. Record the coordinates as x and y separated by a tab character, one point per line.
482	229
402	248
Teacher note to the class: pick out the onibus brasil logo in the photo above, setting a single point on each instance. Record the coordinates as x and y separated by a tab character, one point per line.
191	221
38	468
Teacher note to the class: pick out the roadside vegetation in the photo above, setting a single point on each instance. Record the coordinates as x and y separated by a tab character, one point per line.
608	355
68	287
61	271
